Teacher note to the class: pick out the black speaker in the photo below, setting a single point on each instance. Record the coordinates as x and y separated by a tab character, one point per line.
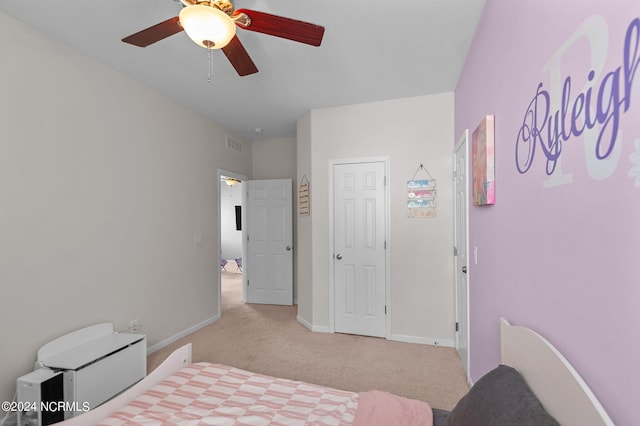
238	218
40	398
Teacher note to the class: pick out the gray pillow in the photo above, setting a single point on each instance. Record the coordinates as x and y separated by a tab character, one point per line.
500	398
440	417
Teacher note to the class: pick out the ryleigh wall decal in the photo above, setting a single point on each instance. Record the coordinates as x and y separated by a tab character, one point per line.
555	116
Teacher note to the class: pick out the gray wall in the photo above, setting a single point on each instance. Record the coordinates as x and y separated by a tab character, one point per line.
409	131
276	159
104	185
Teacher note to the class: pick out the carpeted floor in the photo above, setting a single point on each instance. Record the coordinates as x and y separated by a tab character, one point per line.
268	339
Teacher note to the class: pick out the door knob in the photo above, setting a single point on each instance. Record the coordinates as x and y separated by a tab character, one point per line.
464	269
288	248
338	256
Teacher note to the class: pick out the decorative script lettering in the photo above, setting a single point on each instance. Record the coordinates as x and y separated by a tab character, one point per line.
596	106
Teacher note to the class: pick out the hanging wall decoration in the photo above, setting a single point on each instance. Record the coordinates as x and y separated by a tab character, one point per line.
303	197
421	194
482	154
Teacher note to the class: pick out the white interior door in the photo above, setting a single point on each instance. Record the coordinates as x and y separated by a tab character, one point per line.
359	248
269	260
461	184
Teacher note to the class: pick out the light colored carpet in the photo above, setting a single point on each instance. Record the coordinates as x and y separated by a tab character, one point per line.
268	339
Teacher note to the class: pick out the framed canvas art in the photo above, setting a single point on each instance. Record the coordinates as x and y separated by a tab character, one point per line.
483	167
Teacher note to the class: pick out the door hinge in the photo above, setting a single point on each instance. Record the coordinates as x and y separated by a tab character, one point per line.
455	175
455	251
248	286
457	326
385	245
385	309
247	237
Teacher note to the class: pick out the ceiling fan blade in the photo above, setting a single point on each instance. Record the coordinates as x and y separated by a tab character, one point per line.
303	32
155	33
239	58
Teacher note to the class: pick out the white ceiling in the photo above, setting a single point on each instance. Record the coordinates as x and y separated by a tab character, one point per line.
372	50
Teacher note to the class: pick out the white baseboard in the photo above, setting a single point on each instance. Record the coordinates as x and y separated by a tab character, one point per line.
397	337
170	340
423	340
314	328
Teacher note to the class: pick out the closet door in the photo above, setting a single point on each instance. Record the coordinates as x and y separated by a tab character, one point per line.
359	248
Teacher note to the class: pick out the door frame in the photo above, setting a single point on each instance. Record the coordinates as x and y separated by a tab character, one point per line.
463	140
242	178
387	230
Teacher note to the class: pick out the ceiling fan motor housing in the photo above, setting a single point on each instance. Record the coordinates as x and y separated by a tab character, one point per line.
223	5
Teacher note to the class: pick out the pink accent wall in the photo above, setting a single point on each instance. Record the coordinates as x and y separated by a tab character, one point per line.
560	252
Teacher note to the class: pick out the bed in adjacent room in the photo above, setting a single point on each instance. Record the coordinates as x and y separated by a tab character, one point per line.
533	385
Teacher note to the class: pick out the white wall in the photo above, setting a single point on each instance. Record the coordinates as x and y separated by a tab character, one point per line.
230	238
410	132
103	185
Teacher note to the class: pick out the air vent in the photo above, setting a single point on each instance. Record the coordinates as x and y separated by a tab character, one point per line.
233	144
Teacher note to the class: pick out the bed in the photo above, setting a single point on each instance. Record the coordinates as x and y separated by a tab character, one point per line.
533	385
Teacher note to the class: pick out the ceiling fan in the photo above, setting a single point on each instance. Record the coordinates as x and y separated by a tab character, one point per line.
212	25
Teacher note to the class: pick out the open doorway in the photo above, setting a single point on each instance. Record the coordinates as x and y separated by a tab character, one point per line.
231	239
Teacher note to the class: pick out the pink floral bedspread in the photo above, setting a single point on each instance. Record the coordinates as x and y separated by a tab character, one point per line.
213	394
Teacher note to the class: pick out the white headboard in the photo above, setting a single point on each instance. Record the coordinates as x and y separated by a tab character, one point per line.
555	382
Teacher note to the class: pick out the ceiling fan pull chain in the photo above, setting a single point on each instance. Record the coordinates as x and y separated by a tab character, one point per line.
210	59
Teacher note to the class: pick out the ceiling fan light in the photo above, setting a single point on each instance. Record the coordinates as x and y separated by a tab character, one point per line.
207	26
